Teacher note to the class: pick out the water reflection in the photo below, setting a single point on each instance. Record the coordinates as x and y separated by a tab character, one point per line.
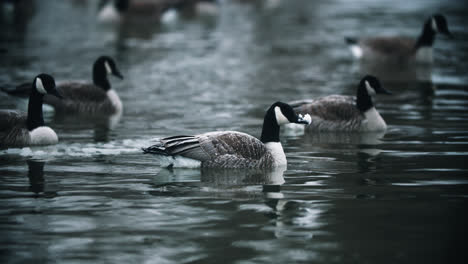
36	179
101	125
219	181
396	72
322	137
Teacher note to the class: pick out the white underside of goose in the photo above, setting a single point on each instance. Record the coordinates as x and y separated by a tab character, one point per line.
373	121
424	54
115	100
43	136
276	150
109	14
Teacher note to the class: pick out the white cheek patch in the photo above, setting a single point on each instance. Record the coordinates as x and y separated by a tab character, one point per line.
108	68
40	87
370	89
434	25
280	118
356	51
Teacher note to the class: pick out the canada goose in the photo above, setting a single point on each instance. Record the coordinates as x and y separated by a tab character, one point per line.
111	11
167	11
401	49
18	129
345	113
189	8
231	149
97	98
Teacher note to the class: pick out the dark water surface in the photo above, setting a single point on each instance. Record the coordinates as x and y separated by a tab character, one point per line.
395	197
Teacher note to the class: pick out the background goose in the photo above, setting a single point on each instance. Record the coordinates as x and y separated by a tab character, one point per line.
18	129
167	11
401	49
345	113
111	11
230	149
97	98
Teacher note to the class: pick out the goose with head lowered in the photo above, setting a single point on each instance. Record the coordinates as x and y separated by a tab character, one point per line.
18	129
346	113
231	149
95	99
401	49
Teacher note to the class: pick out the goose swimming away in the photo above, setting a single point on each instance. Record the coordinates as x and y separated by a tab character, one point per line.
97	98
346	113
401	49
18	129
231	149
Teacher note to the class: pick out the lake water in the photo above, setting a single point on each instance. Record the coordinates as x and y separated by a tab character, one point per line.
395	197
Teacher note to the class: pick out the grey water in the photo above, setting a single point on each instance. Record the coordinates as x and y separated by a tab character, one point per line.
394	197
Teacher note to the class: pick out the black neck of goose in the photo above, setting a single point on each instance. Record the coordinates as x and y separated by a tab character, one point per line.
363	99
35	118
100	77
427	37
271	129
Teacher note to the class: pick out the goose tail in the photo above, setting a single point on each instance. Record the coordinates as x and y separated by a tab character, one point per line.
158	149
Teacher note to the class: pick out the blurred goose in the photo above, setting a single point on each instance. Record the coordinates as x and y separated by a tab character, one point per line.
346	113
111	11
18	129
167	11
97	98
189	8
231	149
401	49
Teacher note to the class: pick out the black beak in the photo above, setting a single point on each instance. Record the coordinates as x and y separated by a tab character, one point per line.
56	93
384	91
116	73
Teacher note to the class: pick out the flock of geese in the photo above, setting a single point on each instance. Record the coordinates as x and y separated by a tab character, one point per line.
221	149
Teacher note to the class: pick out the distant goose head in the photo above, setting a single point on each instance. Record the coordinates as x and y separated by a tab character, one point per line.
103	66
368	87
437	23
279	114
43	84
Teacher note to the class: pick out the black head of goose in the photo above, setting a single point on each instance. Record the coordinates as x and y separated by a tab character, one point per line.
401	49
346	113
231	149
18	129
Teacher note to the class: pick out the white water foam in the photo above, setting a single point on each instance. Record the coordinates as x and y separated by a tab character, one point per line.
117	147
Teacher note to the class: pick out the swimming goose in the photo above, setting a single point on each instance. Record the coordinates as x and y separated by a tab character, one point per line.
97	98
345	113
19	129
231	149
401	49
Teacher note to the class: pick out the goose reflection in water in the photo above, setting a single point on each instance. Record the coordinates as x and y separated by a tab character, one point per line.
238	183
36	179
